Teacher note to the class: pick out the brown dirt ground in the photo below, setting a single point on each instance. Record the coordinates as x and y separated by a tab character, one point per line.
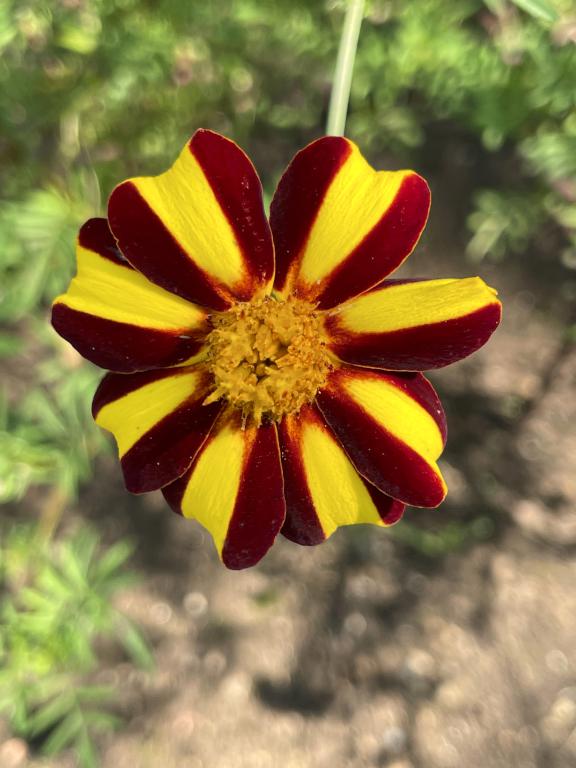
366	651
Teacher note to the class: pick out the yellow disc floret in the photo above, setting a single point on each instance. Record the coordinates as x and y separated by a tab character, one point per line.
268	358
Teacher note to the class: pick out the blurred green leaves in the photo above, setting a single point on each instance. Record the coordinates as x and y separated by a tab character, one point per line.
48	435
56	605
37	236
539	9
503	222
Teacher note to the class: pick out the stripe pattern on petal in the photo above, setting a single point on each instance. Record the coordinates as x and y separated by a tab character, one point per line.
116	318
158	420
234	488
199	229
323	489
414	325
393	429
339	226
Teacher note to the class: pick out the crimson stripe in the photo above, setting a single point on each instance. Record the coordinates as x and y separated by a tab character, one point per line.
166	451
298	198
416	349
381	458
114	386
384	248
389	509
301	525
121	347
260	508
174	492
152	250
237	188
415	385
95	236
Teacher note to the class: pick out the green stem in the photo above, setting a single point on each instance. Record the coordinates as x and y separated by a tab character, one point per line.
344	65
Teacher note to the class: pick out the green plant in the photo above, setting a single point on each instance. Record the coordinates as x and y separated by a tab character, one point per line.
503	222
47	436
57	602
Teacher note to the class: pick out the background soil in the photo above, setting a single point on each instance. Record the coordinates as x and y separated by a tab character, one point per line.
447	641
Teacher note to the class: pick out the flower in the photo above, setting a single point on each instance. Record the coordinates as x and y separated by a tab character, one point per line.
267	375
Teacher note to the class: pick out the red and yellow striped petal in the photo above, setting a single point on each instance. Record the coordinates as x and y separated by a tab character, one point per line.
234	489
339	226
119	320
414	325
199	229
392	427
322	488
158	420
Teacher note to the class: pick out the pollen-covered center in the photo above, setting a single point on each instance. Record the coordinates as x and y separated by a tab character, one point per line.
268	357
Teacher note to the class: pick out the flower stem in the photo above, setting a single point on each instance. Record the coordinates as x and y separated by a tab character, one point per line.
340	95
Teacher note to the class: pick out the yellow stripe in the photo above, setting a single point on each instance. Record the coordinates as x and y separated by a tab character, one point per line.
184	201
199	357
132	416
355	202
397	413
211	492
413	304
339	495
114	292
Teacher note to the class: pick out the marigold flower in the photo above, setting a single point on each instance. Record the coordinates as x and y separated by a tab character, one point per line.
267	375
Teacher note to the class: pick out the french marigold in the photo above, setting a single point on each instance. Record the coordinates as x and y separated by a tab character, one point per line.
266	375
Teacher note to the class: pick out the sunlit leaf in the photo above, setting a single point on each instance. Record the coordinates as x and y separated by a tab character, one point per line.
51	713
108	565
539	9
134	643
64	734
87	756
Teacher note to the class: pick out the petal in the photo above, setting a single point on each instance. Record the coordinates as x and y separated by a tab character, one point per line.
234	489
341	227
158	420
116	318
415	325
323	490
392	427
199	229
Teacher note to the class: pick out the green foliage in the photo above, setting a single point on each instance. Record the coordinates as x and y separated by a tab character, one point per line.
56	604
48	436
503	222
37	237
537	8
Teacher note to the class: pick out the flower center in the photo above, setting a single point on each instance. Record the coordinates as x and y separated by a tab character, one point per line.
268	357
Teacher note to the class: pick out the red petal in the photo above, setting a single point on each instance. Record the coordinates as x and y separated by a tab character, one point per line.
234	489
414	325
340	227
323	490
157	440
199	230
107	312
392	427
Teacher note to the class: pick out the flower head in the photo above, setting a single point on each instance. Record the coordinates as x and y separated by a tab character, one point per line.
267	375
